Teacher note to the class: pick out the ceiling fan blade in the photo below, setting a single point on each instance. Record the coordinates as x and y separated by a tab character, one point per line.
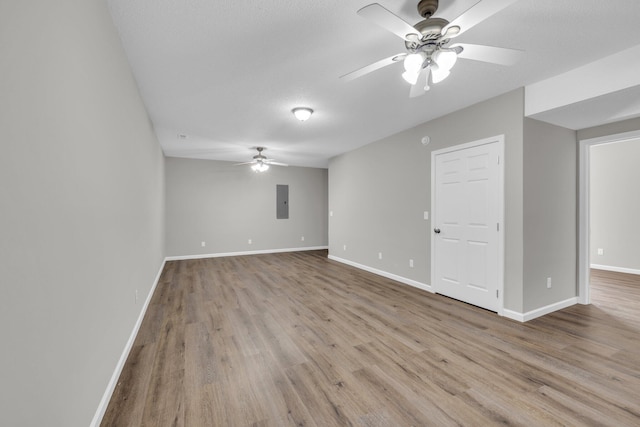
277	164
494	55
389	21
373	67
421	85
245	163
475	15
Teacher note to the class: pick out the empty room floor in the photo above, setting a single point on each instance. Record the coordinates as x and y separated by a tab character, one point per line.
299	340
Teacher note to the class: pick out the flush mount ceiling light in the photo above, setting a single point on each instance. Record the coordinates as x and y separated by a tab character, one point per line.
302	113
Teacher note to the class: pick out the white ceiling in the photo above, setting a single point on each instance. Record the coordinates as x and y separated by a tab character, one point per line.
226	73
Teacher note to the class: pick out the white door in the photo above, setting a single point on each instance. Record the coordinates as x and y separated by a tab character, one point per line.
467	199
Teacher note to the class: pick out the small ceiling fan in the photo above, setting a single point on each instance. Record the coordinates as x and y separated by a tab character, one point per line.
260	162
429	58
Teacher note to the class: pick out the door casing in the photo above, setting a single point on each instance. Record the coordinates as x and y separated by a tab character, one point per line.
584	263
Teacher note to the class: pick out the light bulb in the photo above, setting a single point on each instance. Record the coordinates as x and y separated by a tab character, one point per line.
413	62
445	59
413	66
302	113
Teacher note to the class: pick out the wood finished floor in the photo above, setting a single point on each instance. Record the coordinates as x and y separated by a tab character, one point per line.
299	340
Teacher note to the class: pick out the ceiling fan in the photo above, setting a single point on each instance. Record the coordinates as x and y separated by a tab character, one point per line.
429	58
260	162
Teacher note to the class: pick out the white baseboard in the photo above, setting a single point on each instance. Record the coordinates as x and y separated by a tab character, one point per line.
538	312
259	252
616	269
382	273
513	315
106	397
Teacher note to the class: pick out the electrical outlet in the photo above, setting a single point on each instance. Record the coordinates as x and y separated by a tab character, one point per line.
411	263
344	247
330	213
600	251
426	215
302	239
203	244
548	282
249	241
379	255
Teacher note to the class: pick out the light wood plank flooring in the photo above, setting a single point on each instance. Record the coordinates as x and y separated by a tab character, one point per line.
299	340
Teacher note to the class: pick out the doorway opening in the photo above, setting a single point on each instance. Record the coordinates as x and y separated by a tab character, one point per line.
584	214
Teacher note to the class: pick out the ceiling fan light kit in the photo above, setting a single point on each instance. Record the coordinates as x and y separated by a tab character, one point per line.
413	65
445	58
260	167
302	113
428	57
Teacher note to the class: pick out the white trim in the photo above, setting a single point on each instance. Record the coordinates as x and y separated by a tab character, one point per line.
520	317
106	397
538	312
584	296
616	269
259	252
382	273
513	315
499	140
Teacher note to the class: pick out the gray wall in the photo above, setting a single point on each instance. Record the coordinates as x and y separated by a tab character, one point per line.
609	129
378	193
81	202
550	216
226	205
615	204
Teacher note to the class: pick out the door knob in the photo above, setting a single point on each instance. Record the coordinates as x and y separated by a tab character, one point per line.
436	230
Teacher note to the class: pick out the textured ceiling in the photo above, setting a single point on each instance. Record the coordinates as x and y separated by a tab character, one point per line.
226	73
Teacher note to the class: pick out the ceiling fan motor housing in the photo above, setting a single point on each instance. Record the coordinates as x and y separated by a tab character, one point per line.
431	35
431	27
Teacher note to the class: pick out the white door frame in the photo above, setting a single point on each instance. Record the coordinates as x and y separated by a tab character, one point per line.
584	263
498	139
